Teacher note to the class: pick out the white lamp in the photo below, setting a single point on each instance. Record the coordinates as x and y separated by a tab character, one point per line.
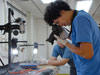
14	51
35	50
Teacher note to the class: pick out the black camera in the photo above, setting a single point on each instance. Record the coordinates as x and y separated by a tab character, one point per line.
57	30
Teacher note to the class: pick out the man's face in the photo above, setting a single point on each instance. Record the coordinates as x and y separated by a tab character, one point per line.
64	19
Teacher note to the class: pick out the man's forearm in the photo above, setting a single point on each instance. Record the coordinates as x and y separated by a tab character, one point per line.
58	62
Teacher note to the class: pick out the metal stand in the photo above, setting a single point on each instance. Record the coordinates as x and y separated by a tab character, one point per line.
9	37
8	28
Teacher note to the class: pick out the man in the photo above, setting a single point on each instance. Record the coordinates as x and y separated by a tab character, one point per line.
85	36
66	57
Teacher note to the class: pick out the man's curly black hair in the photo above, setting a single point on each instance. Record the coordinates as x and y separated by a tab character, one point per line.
53	10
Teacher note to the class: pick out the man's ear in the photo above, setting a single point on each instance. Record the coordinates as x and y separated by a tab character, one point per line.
62	12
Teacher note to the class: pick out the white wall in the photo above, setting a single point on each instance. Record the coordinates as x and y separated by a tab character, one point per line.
31	34
41	31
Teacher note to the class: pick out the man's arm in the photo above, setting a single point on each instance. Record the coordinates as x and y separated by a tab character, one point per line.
85	49
53	61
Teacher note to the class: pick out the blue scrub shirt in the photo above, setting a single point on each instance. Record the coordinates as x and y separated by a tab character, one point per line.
85	29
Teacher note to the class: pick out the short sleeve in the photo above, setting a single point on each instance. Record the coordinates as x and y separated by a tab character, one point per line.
67	53
83	30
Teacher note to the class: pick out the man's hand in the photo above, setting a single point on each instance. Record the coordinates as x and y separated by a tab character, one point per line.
63	41
64	34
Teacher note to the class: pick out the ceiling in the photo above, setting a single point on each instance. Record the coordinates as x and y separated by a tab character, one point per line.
37	7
